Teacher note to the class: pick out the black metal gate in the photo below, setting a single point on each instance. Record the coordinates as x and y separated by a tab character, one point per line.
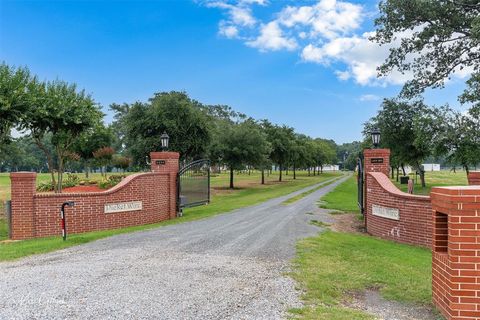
360	183
193	184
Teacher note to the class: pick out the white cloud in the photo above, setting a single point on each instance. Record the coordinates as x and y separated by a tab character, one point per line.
227	30
325	31
327	18
369	97
239	14
343	75
271	38
361	57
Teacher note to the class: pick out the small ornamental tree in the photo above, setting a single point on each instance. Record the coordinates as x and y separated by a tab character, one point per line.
122	162
62	112
103	157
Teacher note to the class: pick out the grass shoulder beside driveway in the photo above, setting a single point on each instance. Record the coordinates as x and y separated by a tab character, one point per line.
221	202
333	266
343	197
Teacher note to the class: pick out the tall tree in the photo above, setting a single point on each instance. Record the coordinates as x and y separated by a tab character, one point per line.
171	112
281	142
243	144
401	132
438	38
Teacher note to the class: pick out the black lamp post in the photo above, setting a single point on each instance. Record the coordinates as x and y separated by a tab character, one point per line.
164	138
375	138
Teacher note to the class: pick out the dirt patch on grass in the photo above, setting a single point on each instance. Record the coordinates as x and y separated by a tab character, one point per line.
371	301
348	222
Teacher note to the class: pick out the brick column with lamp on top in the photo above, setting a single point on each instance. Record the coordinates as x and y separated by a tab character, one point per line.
167	162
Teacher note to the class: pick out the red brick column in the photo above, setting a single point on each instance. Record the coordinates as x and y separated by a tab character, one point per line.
23	188
168	162
377	160
374	160
474	178
456	251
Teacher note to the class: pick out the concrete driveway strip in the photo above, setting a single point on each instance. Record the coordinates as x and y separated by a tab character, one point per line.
230	266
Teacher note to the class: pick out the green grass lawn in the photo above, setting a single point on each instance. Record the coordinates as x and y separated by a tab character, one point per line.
343	197
223	200
332	265
435	179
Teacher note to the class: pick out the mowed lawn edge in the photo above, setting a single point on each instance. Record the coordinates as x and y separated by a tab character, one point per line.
343	197
221	203
333	266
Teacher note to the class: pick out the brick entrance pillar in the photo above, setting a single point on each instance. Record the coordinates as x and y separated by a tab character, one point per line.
168	162
456	251
23	187
374	160
474	178
377	160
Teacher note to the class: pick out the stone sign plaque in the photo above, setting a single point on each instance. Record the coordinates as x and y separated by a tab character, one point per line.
160	162
123	206
376	160
384	212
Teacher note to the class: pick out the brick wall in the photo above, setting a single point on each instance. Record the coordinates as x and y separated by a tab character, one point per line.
474	178
456	251
37	214
414	225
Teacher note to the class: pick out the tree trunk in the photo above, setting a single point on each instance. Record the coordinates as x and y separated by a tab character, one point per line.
422	175
321	169
398	172
49	161
231	178
263	176
314	170
308	171
60	171
403	169
280	174
294	172
393	172
87	171
467	170
286	171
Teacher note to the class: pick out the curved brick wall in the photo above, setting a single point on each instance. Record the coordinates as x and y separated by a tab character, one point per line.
415	212
38	214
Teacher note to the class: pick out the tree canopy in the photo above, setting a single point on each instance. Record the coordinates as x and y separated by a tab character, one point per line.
438	38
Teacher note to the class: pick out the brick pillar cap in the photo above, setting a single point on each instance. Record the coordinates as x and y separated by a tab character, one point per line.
457	191
164	155
23	174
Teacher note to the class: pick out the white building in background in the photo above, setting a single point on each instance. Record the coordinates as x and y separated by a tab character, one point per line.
331	167
426	166
431	166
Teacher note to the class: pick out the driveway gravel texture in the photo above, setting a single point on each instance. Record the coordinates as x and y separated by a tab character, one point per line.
231	266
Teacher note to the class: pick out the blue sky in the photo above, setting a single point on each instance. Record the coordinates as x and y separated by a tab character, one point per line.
306	64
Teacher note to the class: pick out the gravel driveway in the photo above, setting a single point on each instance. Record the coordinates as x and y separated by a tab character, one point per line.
229	266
